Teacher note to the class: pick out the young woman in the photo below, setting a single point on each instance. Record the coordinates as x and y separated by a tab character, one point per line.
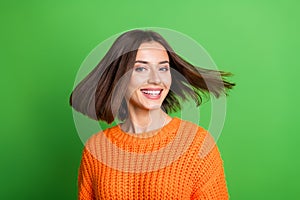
148	155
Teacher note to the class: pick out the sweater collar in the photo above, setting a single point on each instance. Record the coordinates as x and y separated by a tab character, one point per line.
159	137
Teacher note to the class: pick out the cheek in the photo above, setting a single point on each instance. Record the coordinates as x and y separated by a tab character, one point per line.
134	83
167	81
170	81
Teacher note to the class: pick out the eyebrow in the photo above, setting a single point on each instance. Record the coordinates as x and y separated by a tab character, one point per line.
146	62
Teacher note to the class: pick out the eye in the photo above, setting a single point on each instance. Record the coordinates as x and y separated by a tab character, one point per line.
164	68
140	69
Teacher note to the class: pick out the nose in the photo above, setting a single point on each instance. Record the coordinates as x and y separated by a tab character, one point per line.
154	77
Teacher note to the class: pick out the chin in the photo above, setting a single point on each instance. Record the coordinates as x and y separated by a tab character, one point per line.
149	106
154	107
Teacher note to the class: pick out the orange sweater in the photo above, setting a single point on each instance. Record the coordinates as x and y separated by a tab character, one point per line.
179	161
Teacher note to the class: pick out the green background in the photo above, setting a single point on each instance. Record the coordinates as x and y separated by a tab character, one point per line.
43	44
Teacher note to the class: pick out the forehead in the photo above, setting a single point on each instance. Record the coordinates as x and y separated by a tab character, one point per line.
152	52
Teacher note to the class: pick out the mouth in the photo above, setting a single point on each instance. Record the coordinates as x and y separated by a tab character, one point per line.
152	93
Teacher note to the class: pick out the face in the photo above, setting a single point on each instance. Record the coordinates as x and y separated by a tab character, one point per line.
151	78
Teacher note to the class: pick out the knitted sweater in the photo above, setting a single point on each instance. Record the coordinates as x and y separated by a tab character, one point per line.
179	161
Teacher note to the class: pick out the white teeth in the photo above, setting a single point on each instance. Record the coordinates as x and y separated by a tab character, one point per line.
151	92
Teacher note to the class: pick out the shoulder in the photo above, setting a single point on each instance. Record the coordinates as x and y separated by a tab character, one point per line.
95	141
203	141
189	127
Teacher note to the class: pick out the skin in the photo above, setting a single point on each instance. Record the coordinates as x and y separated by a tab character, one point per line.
148	87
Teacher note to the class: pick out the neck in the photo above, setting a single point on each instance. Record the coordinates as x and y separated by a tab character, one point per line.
140	121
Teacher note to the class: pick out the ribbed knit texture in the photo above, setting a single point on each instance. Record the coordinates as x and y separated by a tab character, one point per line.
179	161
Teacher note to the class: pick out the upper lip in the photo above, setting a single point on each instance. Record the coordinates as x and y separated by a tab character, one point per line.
152	89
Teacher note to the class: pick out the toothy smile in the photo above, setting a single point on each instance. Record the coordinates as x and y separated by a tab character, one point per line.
152	92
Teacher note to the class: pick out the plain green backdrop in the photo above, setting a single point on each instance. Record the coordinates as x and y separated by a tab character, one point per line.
43	44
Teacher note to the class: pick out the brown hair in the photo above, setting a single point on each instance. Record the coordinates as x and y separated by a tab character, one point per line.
93	95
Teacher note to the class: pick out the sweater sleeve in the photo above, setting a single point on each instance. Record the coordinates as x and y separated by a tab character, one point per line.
85	189
211	182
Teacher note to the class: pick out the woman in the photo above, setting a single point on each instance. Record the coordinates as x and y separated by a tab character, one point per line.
149	155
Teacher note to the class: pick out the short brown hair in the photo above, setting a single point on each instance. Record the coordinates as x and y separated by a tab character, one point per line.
93	95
